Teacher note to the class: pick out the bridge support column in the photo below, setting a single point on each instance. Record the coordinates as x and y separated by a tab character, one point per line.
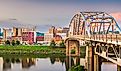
72	45
89	58
118	68
97	64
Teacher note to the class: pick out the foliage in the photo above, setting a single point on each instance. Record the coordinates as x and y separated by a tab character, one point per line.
7	42
13	42
73	51
52	44
62	44
17	42
77	68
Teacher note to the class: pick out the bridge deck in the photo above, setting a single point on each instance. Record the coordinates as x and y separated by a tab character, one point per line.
114	41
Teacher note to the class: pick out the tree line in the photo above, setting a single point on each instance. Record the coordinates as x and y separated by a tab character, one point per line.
13	42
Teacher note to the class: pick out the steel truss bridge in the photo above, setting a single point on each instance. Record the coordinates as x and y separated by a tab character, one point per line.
97	30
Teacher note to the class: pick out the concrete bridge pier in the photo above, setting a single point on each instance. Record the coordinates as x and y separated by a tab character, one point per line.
89	58
97	63
92	60
72	45
118	68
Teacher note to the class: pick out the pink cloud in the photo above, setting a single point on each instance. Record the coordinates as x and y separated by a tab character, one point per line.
117	15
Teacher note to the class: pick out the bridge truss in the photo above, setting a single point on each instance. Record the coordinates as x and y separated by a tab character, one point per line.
101	29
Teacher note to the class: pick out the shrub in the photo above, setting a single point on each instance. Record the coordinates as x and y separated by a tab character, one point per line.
52	44
77	68
62	44
13	42
73	51
17	42
7	42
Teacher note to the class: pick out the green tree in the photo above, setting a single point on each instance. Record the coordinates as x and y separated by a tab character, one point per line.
77	68
13	42
52	44
62	44
7	42
17	42
73	51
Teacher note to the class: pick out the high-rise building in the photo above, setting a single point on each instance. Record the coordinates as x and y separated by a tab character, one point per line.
52	30
7	34
17	31
24	35
17	34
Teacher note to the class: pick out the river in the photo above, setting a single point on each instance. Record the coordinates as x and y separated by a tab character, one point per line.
47	64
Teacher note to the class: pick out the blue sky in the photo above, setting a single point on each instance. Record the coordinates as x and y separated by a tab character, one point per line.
45	13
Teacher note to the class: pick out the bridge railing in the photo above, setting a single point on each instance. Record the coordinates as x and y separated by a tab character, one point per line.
107	37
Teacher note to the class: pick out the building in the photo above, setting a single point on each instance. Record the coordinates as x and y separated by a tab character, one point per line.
63	35
7	34
65	30
48	37
58	39
59	30
24	35
28	37
52	30
1	36
39	37
17	34
17	31
24	29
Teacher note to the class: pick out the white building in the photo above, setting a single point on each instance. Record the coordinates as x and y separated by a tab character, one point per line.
63	35
7	34
48	37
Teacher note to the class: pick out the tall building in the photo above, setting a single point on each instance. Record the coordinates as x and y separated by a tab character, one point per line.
17	34
7	34
52	30
25	35
17	31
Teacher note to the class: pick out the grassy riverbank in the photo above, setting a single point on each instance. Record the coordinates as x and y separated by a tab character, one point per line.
22	49
44	51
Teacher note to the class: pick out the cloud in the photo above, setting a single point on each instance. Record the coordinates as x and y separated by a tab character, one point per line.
117	15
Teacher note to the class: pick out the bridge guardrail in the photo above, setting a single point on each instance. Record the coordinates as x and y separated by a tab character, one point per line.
107	37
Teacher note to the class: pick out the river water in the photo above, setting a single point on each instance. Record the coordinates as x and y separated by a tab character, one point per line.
47	64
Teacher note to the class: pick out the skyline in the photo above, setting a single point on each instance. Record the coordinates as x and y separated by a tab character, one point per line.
44	13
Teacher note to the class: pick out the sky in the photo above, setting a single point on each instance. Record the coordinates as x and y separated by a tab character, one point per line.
45	13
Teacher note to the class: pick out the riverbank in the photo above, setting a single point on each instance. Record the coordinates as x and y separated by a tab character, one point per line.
43	51
22	49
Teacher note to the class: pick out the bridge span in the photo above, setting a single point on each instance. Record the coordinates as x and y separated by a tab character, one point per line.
100	33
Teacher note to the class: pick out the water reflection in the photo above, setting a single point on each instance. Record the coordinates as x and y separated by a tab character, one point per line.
39	64
108	66
47	64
